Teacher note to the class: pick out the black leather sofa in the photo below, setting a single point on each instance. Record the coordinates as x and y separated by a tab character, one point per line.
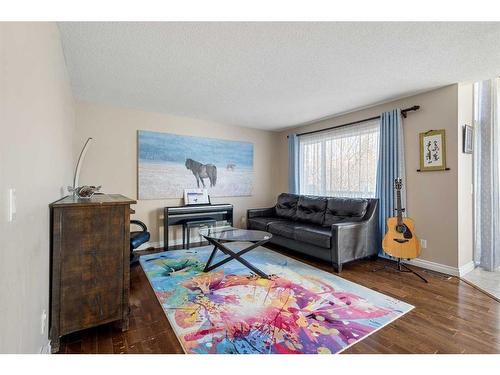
338	230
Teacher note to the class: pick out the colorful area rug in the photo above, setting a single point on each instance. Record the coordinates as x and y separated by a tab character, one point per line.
229	310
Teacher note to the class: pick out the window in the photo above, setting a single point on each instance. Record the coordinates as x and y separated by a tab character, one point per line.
340	162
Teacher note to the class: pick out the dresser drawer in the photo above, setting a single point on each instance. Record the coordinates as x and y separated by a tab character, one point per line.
95	306
92	270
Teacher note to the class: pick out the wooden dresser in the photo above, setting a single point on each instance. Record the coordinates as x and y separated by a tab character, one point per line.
90	269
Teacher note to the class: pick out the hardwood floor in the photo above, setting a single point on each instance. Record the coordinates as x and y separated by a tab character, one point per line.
450	316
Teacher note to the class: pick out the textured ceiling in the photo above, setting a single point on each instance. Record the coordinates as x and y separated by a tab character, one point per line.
271	75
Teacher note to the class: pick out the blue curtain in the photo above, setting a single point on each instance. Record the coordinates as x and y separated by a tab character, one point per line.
293	163
391	164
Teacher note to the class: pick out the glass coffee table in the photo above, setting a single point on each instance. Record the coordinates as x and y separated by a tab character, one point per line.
219	236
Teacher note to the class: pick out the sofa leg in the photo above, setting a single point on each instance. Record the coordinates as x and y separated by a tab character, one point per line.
373	257
337	268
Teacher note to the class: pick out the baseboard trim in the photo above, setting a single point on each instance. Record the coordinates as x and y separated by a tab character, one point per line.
466	268
433	266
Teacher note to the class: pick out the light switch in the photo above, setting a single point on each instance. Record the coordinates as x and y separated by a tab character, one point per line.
12	205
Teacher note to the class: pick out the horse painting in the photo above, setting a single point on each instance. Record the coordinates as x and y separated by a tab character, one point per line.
201	171
166	164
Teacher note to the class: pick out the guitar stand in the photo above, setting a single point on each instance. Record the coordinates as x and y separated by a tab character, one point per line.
401	267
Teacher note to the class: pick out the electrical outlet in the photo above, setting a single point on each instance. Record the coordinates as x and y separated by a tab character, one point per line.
43	322
423	243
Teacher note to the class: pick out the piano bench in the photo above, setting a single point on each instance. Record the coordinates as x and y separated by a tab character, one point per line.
187	225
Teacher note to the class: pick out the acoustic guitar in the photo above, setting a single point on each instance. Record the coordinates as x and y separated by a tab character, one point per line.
400	240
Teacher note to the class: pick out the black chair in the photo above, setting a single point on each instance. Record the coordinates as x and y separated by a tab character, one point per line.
137	238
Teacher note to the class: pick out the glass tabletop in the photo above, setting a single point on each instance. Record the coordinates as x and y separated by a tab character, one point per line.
235	234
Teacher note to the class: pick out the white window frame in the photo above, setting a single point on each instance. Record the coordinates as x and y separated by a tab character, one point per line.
320	144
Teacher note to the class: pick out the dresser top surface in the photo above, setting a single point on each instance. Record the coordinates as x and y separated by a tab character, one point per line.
97	199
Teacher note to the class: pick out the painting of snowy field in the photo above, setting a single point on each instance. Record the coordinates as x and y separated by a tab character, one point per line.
170	163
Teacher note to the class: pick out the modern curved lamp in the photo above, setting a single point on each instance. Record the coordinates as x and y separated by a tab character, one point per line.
76	176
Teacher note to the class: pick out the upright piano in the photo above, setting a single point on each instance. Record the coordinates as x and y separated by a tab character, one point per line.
180	214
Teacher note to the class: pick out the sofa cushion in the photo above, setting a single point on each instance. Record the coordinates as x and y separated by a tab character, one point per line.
344	209
283	228
314	235
261	223
311	209
287	205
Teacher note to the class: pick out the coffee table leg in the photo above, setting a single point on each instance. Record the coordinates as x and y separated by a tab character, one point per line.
210	259
232	255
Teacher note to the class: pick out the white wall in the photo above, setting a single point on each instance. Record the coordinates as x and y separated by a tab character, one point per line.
112	158
36	158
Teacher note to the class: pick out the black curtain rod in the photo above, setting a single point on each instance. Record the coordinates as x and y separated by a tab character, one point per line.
403	112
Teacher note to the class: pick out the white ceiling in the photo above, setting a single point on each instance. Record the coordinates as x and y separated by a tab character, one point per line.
271	75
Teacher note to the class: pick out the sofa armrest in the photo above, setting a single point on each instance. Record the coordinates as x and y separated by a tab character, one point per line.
261	212
348	228
352	240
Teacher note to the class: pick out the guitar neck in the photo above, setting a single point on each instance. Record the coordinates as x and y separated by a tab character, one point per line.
398	207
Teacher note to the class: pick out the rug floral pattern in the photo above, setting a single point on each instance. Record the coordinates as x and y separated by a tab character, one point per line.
229	310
